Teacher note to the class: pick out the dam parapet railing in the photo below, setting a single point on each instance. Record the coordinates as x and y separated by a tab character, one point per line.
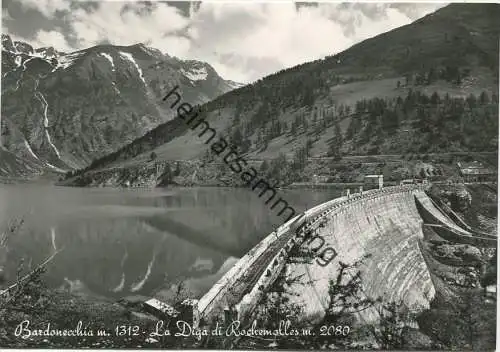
341	202
269	275
220	287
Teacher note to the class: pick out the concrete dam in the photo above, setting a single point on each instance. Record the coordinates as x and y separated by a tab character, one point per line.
381	230
377	231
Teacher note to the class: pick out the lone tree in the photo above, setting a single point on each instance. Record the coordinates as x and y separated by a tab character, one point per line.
346	300
346	297
336	143
389	332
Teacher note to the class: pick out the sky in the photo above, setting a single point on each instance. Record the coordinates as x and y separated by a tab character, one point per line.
243	40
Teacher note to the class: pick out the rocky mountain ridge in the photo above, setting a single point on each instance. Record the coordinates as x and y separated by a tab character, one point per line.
65	109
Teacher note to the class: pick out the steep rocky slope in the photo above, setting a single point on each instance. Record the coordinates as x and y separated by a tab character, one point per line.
13	166
66	109
374	98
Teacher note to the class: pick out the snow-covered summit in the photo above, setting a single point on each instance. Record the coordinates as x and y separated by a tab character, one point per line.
195	73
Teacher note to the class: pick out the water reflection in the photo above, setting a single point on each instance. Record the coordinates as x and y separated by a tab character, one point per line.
120	242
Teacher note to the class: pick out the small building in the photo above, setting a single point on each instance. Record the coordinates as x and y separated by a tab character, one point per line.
491	291
476	172
409	181
371	181
187	311
414	181
160	309
320	178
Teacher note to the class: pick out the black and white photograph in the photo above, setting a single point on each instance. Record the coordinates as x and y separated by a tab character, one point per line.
249	175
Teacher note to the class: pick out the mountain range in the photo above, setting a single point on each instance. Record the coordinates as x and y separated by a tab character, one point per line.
427	87
395	93
61	110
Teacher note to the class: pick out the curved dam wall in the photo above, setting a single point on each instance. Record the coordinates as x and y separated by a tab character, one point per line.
215	298
381	229
279	261
270	274
219	296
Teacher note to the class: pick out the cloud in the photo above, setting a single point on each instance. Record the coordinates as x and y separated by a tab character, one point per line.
6	15
283	33
125	24
47	7
52	38
243	40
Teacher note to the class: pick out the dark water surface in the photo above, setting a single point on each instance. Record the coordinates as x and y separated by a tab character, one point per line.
120	242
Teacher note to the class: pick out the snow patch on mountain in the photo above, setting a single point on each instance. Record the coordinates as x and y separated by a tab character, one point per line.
234	84
151	51
129	57
53	237
25	62
17	83
115	88
55	168
7	44
18	60
26	66
66	61
28	147
46	53
195	74
109	58
46	122
23	47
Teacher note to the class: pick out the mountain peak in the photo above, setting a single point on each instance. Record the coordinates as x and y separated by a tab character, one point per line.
7	43
24	48
81	105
